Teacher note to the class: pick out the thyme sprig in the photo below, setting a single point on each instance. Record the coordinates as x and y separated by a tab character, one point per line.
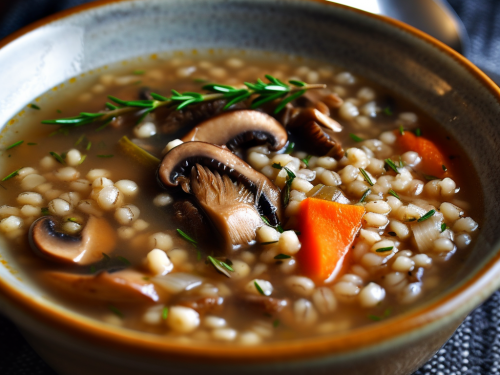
262	93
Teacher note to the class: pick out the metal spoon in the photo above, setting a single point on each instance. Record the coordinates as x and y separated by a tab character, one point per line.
435	17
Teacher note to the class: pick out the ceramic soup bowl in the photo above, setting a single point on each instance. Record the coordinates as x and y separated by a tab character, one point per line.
423	71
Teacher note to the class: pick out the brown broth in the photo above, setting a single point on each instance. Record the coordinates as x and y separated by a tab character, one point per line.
88	94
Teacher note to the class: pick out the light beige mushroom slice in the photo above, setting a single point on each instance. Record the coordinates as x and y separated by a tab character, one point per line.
239	127
177	163
120	286
96	238
229	206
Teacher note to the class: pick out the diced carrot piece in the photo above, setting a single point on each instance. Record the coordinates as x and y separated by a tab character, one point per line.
433	159
327	231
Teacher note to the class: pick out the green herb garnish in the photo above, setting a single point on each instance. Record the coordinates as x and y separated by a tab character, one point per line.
288	185
366	176
277	166
418	132
72	219
31	144
105	156
105	256
443	227
89	145
428	215
306	160
376	318
14	145
391	165
92	269
276	323
115	311
188	238
394	194
428	177
45	211
262	93
164	313
34	106
355	138
139	72
384	249
57	157
220	266
388	111
10	175
82	159
290	147
259	289
282	256
401	130
365	194
268	243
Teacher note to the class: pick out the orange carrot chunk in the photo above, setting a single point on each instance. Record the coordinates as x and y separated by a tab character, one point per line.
327	231
432	157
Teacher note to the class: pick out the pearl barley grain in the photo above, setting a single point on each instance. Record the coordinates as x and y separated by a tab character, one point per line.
182	319
127	187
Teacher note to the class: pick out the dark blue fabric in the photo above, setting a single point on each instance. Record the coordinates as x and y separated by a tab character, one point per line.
473	350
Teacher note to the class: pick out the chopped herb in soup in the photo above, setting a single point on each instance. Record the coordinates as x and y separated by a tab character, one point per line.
234	199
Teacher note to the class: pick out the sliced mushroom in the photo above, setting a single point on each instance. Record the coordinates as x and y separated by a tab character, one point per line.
328	193
190	220
189	116
121	286
230	207
316	140
305	115
96	238
238	127
177	164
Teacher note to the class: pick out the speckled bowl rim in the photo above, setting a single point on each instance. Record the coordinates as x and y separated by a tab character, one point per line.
418	322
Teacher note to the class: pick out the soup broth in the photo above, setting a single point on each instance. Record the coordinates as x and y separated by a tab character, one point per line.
372	214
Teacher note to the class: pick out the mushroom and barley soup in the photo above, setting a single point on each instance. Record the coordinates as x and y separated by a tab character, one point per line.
235	199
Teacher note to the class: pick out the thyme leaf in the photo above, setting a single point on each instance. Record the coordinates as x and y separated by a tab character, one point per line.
259	289
11	175
428	215
14	145
394	194
365	194
366	176
355	138
384	249
391	165
187	238
220	266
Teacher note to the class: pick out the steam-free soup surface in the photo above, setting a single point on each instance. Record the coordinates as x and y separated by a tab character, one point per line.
366	224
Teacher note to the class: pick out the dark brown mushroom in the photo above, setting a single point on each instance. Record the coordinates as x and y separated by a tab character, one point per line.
239	127
314	131
171	120
96	238
315	140
191	220
177	163
122	286
305	115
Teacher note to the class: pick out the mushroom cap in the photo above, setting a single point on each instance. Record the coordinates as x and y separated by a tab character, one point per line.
238	127
97	237
179	161
121	286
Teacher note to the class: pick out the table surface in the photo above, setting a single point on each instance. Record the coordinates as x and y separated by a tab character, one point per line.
474	349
